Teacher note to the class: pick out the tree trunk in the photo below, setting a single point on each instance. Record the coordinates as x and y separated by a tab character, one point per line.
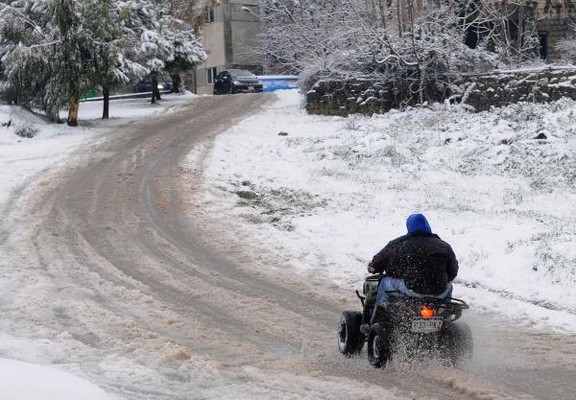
155	90
520	34
177	83
106	103
399	17
73	111
382	5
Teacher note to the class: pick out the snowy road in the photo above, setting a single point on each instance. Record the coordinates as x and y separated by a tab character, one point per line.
144	293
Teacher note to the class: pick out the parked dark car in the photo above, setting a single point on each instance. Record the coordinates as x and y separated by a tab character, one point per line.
237	81
145	85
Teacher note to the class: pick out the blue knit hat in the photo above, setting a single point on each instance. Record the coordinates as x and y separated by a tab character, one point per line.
417	223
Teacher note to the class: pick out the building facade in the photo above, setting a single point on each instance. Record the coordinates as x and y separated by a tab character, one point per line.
229	36
554	21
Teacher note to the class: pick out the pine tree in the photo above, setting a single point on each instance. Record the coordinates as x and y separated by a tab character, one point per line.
26	46
52	51
162	42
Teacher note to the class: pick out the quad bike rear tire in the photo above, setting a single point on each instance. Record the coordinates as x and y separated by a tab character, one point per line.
457	343
378	346
350	339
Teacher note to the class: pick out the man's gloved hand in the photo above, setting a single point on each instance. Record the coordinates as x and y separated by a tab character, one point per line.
371	268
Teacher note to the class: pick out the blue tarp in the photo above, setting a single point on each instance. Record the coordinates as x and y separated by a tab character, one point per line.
278	82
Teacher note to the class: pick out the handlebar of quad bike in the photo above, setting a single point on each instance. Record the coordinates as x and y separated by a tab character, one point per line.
453	302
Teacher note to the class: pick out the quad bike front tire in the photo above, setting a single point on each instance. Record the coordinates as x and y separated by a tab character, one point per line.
350	339
378	346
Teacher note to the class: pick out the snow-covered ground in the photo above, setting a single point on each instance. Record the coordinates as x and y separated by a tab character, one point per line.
321	195
324	194
25	381
22	159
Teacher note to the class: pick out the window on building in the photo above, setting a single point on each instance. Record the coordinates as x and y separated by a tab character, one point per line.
211	75
208	15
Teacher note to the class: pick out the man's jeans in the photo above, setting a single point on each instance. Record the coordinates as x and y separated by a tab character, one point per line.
397	285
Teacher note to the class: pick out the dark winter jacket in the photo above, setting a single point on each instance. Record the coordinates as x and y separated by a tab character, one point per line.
421	258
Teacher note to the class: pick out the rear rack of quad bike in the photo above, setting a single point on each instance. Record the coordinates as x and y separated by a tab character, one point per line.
451	303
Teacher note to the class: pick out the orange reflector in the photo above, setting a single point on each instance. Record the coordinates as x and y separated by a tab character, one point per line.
426	312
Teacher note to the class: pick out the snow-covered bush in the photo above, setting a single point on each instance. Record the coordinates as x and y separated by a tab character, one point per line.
26	130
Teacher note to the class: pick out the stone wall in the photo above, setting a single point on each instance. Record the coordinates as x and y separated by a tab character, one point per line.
479	92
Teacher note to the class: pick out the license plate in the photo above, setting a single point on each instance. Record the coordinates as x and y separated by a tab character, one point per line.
427	325
250	87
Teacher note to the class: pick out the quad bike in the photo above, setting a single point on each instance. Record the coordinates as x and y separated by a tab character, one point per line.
409	326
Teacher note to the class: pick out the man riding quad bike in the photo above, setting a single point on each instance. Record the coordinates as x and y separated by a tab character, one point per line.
409	304
422	326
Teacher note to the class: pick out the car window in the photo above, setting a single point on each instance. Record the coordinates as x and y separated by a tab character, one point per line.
161	78
241	73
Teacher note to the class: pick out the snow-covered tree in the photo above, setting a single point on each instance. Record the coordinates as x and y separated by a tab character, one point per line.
162	41
508	29
190	11
429	51
73	45
26	45
567	46
391	39
109	65
52	51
